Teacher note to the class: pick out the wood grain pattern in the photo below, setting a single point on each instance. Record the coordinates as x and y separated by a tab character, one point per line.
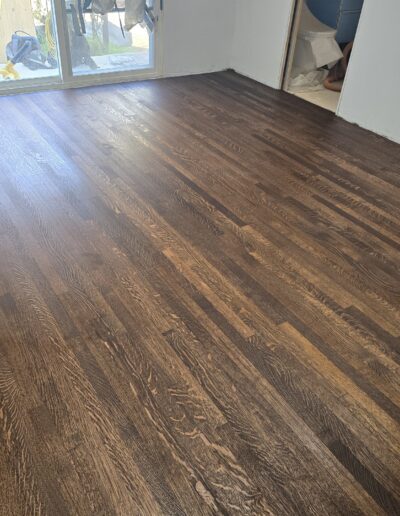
199	304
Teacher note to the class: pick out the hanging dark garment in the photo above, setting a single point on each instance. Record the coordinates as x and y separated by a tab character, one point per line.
80	50
81	17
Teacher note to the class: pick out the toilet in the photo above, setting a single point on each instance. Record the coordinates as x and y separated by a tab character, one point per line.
316	45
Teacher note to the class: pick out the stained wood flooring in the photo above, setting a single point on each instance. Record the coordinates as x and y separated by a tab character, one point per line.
199	304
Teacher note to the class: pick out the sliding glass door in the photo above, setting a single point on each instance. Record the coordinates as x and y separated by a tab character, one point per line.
68	42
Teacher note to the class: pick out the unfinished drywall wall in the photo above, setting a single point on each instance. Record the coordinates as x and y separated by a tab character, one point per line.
371	93
260	39
197	36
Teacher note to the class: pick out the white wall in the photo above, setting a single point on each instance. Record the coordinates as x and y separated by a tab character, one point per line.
249	36
260	38
197	35
371	93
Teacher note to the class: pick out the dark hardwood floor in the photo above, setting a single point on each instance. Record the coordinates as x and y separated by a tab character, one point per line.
199	304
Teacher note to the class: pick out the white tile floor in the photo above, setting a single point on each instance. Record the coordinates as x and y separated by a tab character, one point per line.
326	99
310	87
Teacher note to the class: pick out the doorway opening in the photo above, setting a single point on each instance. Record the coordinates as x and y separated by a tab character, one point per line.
320	48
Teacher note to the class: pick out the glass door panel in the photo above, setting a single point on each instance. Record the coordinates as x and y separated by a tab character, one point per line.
28	41
102	41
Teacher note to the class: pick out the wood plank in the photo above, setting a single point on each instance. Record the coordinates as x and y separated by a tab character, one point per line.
199	304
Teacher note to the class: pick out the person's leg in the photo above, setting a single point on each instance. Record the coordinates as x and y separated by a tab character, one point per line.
336	75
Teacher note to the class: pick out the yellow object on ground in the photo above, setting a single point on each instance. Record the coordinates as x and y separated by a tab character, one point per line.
51	44
9	72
